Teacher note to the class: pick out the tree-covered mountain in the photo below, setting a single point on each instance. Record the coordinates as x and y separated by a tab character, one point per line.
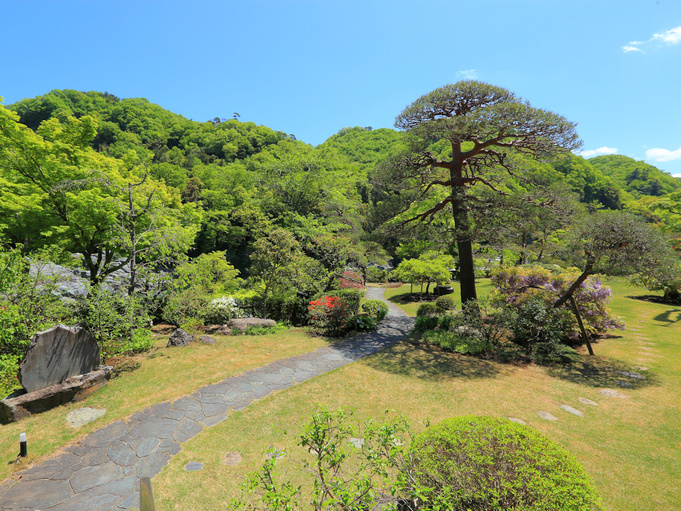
636	177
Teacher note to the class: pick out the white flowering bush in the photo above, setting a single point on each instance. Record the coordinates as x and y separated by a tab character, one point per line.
220	310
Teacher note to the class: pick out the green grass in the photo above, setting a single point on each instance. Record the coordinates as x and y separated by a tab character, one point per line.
629	447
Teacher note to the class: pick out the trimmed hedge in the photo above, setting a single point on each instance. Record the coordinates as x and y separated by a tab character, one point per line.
482	463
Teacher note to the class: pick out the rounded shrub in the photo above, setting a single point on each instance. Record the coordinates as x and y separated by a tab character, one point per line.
445	303
427	309
484	463
377	309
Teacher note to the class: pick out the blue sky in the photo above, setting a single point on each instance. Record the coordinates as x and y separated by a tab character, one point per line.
311	68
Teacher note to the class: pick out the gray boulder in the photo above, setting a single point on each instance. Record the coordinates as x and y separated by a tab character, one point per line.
179	338
56	355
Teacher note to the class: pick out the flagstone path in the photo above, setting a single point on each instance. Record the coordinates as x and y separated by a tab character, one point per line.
102	471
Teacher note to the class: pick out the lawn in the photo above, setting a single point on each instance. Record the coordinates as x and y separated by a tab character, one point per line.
408	298
629	446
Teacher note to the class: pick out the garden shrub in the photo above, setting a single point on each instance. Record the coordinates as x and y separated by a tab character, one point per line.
220	310
194	326
377	309
330	315
457	342
183	305
362	323
375	274
350	297
514	286
445	304
427	309
542	331
483	463
351	280
425	322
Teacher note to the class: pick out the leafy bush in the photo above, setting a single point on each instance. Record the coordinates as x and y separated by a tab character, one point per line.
194	326
427	309
220	310
183	305
350	297
542	331
353	464
425	322
445	304
362	323
330	315
375	274
458	342
9	366
351	280
514	286
377	309
483	463
266	330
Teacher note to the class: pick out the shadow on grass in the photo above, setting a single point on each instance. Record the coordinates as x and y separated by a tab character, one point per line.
596	371
407	298
429	362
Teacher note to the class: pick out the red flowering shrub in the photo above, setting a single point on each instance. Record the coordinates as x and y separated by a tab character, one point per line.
329	314
351	280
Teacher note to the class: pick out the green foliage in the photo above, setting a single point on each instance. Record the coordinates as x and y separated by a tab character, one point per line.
183	305
445	303
464	342
375	274
483	463
362	323
541	330
427	309
350	297
330	315
113	318
220	310
376	309
352	464
635	177
193	326
266	330
211	273
427	269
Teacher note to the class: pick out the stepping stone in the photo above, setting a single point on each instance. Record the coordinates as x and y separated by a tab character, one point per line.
612	393
194	466
356	442
232	458
625	384
518	421
641	368
82	416
571	410
586	401
635	376
547	416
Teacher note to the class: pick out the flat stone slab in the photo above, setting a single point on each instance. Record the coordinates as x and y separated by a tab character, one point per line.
612	393
242	324
232	458
82	416
57	354
193	466
547	416
571	410
517	420
635	376
586	401
641	368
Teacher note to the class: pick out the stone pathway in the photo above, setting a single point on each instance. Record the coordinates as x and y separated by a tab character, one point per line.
102	471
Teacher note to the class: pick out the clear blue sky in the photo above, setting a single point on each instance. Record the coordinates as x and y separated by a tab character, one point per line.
311	68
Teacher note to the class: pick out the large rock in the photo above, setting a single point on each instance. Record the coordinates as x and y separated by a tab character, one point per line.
17	406
179	338
242	324
56	355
